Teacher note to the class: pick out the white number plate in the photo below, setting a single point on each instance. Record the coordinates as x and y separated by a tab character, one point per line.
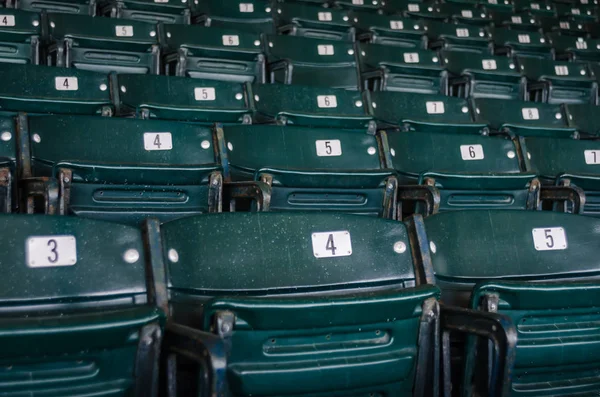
413	8
66	83
524	38
516	19
161	1
231	40
535	6
489	64
246	7
331	244
358	2
492	1
329	148
396	25
124	31
530	114
581	45
564	25
411	57
467	13
7	20
575	11
204	94
325	49
561	70
462	32
49	251
324	16
326	101
158	141
471	152
434	107
592	156
549	239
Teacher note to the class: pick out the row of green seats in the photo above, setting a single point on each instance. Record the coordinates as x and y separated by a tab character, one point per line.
129	169
207	306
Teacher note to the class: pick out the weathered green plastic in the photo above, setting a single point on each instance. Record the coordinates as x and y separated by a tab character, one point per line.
228	14
33	89
507	18
390	30
92	44
409	112
557	325
444	36
20	43
507	116
486	245
385	68
73	330
464	14
578	12
414	9
299	105
185	99
8	159
483	76
296	60
310	21
83	7
115	177
574	85
493	182
353	182
363	6
167	11
506	42
539	8
584	118
205	55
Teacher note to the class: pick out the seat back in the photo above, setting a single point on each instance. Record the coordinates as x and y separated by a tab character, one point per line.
583	118
252	15
391	30
575	48
82	7
148	10
20	35
314	22
517	43
466	38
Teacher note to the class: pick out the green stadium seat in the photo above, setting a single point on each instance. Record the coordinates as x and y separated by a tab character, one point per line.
578	12
584	118
212	53
522	118
166	11
483	76
567	162
8	165
314	22
572	48
42	89
423	112
103	44
516	43
20	36
126	169
390	30
78	317
461	37
185	99
82	7
497	5
558	82
316	62
465	14
311	106
388	68
537	8
253	16
373	6
522	21
415	9
313	168
369	329
563	26
546	283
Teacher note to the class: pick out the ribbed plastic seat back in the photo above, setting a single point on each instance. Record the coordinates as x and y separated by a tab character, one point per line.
250	15
165	11
81	7
391	30
20	36
465	38
517	43
314	22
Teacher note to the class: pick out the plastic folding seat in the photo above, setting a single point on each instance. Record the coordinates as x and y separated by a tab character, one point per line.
575	48
372	6
497	5
567	162
82	7
97	329
103	44
515	43
466	38
185	99
311	106
20	33
546	283
585	118
423	112
521	21
465	14
212	53
122	169
483	76
389	68
391	30
578	12
558	82
167	11
369	328
314	22
316	62
247	15
563	26
42	89
522	118
8	165
318	169
537	8
415	9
